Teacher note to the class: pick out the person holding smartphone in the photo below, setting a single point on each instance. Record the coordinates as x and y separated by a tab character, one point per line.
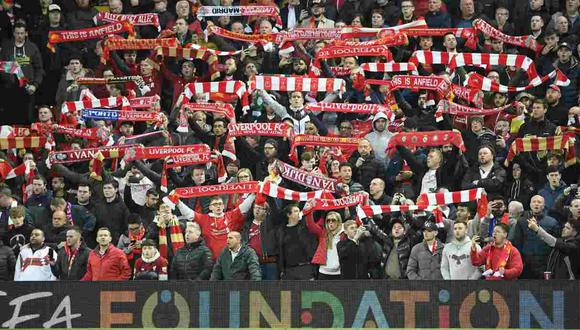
501	259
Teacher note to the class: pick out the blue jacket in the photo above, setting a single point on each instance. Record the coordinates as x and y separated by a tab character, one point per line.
551	195
438	20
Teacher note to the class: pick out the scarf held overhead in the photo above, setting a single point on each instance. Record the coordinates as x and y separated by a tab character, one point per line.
137	20
448	107
217	11
454	197
426	139
301	84
259	129
60	36
531	144
321	141
307	179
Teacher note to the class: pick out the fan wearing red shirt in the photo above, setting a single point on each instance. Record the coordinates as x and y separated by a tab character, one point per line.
106	262
502	260
216	225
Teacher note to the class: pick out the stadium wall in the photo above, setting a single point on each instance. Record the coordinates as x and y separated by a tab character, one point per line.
337	304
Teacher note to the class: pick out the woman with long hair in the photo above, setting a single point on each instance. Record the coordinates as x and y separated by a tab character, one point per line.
326	255
243	175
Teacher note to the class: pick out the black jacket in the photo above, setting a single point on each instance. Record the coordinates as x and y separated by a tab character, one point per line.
570	249
352	261
191	262
268	229
538	128
493	184
113	216
310	243
77	269
7	263
403	248
244	267
371	168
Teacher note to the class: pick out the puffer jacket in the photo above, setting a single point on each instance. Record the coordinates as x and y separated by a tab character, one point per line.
403	248
244	267
191	262
371	168
424	265
7	262
78	268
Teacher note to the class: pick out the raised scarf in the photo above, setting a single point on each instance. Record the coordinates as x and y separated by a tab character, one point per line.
145	102
224	109
81	155
229	87
136	20
201	54
368	211
301	84
138	80
113	44
531	144
480	82
108	114
203	157
521	41
161	152
340	203
307	179
260	129
448	107
425	139
362	108
24	142
321	141
487	60
176	235
218	189
388	67
438	84
263	11
454	197
469	34
109	102
275	191
61	36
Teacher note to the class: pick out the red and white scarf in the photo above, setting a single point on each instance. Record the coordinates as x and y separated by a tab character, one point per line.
217	11
438	84
307	179
396	39
363	108
521	41
488	60
388	67
478	81
61	36
191	53
532	144
12	67
468	94
137	20
163	151
451	108
454	197
230	87
301	84
469	34
273	190
109	102
430	57
218	189
426	139
145	102
335	204
202	157
113	44
368	211
105	114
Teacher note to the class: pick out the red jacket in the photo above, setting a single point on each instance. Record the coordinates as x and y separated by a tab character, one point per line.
513	267
320	232
112	266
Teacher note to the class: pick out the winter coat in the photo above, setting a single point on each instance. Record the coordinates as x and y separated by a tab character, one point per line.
151	269
112	215
33	69
550	195
438	20
78	268
268	230
192	262
542	128
34	265
403	247
308	240
371	168
572	71
244	267
533	250
424	265
561	250
320	232
112	266
7	262
493	184
353	264
456	262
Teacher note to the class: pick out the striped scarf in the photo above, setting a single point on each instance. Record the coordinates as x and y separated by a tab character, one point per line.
425	139
13	67
531	144
453	197
230	87
301	84
388	67
109	102
475	80
190	53
451	108
24	142
176	236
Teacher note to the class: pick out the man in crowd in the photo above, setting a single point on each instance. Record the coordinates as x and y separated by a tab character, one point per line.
106	262
456	261
425	258
236	261
501	259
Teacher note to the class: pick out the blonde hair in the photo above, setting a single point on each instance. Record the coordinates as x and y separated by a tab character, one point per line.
330	234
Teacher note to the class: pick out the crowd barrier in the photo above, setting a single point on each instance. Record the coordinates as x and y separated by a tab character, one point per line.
337	304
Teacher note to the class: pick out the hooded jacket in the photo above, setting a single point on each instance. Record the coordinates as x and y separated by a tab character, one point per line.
456	262
379	140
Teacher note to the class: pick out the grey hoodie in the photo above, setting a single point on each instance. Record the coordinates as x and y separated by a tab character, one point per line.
456	262
379	140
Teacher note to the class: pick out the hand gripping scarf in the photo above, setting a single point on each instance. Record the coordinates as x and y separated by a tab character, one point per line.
301	84
521	41
531	144
368	211
363	108
217	11
137	20
109	102
426	139
191	53
480	82
229	87
14	68
273	190
323	141
177	240
113	44
388	67
451	108
454	197
307	179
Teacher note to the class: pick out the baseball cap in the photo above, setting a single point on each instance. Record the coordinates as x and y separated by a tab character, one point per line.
565	44
430	226
524	94
320	3
53	7
555	87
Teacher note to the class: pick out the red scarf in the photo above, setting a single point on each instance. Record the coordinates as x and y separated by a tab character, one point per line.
262	11
113	44
323	141
260	129
426	139
454	197
307	179
388	67
70	256
507	248
521	41
451	108
176	235
341	203
137	20
531	144
56	37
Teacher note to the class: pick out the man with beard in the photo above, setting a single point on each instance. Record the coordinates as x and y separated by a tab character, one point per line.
40	197
396	248
317	20
502	260
365	166
557	111
487	174
534	252
380	136
106	262
456	263
71	264
496	213
34	259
